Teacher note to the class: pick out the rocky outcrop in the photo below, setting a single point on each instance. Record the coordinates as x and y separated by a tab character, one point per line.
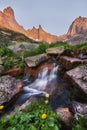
40	35
9	87
7	20
68	63
33	61
78	76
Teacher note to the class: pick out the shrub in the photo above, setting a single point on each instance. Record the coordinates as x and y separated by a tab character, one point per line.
8	64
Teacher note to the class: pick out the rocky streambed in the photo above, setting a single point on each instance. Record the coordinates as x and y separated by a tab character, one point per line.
69	74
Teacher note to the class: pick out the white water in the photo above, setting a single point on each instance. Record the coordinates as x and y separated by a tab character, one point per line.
44	78
39	85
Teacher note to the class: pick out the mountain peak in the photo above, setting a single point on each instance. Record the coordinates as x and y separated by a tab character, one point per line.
78	26
8	11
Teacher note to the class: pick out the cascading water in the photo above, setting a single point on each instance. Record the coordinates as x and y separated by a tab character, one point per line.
38	86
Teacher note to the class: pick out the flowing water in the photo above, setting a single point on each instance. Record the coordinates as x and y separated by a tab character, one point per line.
45	80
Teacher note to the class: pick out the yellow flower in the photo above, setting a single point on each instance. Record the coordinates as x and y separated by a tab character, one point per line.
85	106
46	101
44	116
1	107
47	95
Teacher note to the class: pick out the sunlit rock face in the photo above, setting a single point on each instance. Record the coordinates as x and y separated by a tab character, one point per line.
8	21
79	26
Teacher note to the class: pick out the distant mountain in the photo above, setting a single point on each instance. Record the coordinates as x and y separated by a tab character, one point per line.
76	33
79	26
7	21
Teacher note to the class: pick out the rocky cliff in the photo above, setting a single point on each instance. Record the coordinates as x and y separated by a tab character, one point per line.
7	21
76	33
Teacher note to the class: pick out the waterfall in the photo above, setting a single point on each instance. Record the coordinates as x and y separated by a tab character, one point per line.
39	85
44	78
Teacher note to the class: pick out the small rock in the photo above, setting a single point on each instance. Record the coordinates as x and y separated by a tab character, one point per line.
65	115
33	61
55	50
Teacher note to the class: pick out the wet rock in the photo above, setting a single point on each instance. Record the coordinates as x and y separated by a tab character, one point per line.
82	56
27	104
13	72
69	62
69	52
65	115
9	87
79	109
33	61
78	76
34	71
55	50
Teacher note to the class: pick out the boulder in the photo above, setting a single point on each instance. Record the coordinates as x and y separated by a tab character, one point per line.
65	115
78	76
55	50
21	47
67	62
33	61
9	87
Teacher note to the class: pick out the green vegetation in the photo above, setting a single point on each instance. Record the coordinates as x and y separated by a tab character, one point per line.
43	46
81	124
10	58
37	117
4	51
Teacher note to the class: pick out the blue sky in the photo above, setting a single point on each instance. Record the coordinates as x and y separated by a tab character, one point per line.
55	16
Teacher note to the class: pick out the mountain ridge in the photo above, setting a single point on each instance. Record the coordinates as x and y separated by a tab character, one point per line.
8	21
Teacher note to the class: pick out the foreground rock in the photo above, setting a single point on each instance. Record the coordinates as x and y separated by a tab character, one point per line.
65	115
55	50
79	109
78	76
33	61
9	87
67	62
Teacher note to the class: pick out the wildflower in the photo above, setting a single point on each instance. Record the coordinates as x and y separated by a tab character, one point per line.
1	107
47	95
85	106
44	116
46	101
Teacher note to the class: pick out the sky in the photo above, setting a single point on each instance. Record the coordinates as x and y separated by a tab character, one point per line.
55	16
